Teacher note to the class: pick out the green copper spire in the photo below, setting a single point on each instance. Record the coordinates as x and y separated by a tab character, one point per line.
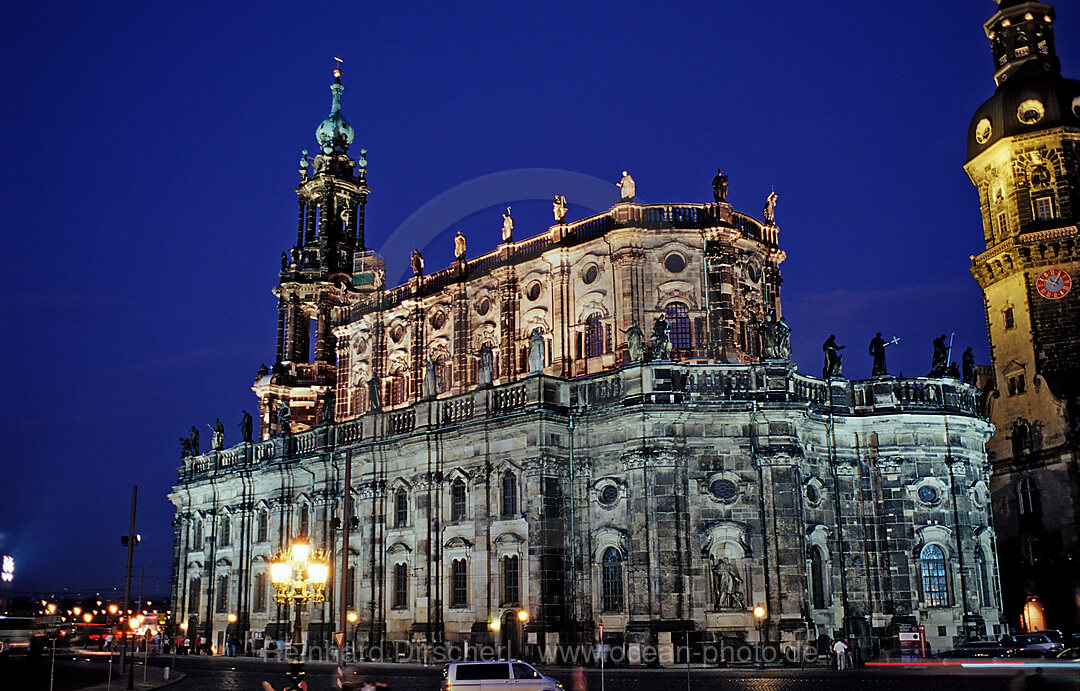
334	134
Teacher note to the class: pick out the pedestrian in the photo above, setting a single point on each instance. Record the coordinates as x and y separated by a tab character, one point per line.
108	642
840	649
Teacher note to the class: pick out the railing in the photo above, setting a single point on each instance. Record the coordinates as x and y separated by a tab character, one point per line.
772	383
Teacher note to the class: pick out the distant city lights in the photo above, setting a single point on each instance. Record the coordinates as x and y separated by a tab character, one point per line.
7	571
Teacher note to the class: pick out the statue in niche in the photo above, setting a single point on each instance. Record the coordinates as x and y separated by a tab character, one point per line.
416	260
459	246
193	441
284	417
627	188
374	401
327	413
508	226
939	361
767	331
217	436
968	360
727	593
719	186
661	344
769	212
245	427
635	342
558	207
833	364
429	383
485	373
783	339
536	351
877	350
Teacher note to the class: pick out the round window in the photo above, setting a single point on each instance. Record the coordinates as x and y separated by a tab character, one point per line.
674	263
437	320
928	494
590	274
812	494
723	489
752	273
983	131
534	290
1030	111
484	307
609	494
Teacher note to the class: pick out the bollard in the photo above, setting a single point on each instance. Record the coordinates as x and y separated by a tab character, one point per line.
166	676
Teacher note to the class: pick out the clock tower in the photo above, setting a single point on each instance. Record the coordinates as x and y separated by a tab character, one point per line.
1023	149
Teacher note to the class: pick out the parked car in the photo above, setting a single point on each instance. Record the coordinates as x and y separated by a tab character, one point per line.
976	649
491	676
1034	645
1069	655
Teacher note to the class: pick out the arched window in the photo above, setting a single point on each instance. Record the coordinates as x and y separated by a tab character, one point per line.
459	583
401	585
262	525
1029	497
457	500
226	532
594	335
934	577
986	594
260	592
817	578
678	317
510	578
196	535
222	595
401	508
304	522
509	494
611	581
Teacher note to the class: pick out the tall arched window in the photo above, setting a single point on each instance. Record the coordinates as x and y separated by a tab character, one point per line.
611	597
510	576
678	317
817	578
263	526
457	500
459	583
986	593
935	580
509	494
401	585
401	508
1029	497
594	335
196	535
304	522
260	592
226	530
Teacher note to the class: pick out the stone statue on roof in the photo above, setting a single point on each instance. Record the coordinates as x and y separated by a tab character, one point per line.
719	186
833	364
416	260
217	438
459	246
627	188
536	351
635	342
558	207
508	226
770	208
661	343
245	427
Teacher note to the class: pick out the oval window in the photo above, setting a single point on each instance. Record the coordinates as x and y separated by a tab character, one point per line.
590	274
437	320
484	307
983	131
812	495
534	290
1030	111
674	263
609	494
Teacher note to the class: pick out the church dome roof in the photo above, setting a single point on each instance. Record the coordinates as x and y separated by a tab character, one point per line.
335	134
1022	106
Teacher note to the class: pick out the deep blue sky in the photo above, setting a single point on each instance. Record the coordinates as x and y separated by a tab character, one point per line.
151	150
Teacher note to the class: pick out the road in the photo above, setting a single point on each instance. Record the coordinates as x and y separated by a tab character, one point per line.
76	670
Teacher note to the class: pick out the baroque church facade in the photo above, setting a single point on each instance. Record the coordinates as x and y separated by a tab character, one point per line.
1024	159
597	424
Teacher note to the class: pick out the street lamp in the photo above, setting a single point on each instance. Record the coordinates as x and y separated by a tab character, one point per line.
759	614
299	575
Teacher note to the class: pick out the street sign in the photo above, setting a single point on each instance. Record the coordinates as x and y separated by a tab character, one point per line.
339	638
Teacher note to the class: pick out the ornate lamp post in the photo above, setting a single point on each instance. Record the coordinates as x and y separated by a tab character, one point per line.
299	575
759	614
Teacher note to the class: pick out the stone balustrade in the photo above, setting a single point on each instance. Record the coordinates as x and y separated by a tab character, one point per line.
656	383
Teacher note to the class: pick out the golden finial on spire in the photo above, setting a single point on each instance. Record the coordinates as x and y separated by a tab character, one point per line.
337	67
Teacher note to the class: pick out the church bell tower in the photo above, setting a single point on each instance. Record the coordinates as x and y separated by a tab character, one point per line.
1023	156
317	273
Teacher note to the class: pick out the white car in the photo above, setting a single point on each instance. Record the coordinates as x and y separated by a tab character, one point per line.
1035	643
490	676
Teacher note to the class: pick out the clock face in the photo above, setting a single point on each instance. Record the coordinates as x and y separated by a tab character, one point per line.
983	130
1054	284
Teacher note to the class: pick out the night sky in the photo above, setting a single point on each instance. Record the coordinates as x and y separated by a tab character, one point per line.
151	153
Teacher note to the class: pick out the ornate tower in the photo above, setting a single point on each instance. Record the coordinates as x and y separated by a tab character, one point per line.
1023	148
316	275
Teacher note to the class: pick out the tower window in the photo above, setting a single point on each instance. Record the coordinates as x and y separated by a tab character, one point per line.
222	600
1029	497
401	585
459	583
1016	384
817	577
511	591
1002	224
1044	208
509	495
401	509
1022	51
678	316
1010	321
611	596
260	592
457	500
594	336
